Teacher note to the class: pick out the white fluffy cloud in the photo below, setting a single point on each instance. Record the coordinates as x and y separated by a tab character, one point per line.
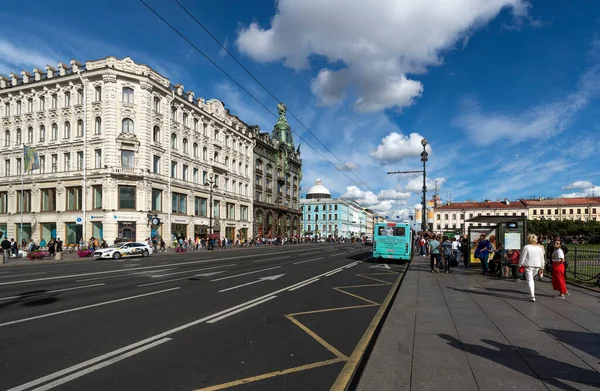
416	184
348	166
378	44
579	185
395	147
387	203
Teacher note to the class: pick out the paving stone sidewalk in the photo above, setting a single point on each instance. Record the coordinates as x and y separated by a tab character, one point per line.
465	331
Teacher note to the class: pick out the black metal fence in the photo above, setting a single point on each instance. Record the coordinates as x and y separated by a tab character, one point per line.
583	265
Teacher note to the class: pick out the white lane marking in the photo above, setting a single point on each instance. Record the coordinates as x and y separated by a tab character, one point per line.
303	285
381	266
302	254
272	259
157	336
333	272
262	279
86	307
100	366
352	264
52	291
23	275
179	279
308	260
191	271
244	274
123	275
4	272
240	310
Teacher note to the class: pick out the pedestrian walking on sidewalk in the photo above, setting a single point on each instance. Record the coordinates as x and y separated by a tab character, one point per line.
558	271
435	259
6	248
446	253
484	247
532	259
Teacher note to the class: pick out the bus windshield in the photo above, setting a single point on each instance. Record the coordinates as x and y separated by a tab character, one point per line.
391	231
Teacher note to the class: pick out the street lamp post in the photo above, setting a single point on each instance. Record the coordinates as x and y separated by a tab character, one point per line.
424	159
211	186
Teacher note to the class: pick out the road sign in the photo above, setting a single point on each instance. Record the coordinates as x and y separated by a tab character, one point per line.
79	221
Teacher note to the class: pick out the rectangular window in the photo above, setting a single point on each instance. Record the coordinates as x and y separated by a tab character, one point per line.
67	157
127	159
156	200
23	201
195	176
594	210
67	99
42	164
127	197
4	203
571	211
79	97
79	160
244	213
42	103
30	105
19	166
73	198
535	212
156	164
6	109
578	211
54	101
184	173
179	203
98	158
200	206
18	107
80	128
97	197
555	211
230	211
173	169
98	94
54	162
217	208
204	177
127	95
48	200
585	211
226	187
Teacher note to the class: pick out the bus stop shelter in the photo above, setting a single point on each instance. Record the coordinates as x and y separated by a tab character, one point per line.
510	231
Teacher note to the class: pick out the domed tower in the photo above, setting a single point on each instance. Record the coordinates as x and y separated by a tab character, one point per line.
318	191
282	131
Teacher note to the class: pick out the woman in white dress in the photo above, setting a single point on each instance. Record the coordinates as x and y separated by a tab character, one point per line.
532	258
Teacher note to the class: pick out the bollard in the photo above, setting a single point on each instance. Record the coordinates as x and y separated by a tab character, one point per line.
1	259
58	257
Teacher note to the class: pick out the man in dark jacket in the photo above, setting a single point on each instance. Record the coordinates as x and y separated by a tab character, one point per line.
6	248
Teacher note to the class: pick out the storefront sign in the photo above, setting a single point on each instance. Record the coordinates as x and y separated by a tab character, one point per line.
125	216
179	220
231	224
97	217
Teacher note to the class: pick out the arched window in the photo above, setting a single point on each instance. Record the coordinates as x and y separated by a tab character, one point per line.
98	125
156	104
54	130
156	134
246	170
233	165
42	133
185	119
204	127
185	145
127	126
18	136
7	138
258	164
216	157
128	96
227	162
240	168
174	113
79	128
204	154
30	135
67	130
173	141
227	141
195	150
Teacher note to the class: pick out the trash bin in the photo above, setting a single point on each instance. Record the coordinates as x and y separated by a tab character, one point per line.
58	257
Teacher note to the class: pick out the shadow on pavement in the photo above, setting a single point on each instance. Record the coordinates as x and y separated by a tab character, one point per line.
582	340
32	299
547	369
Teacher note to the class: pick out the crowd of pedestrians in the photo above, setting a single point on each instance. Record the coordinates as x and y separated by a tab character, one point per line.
531	261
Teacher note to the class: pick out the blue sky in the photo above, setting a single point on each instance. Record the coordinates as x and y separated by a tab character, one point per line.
506	91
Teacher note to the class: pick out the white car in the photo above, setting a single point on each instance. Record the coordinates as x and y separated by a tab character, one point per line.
125	249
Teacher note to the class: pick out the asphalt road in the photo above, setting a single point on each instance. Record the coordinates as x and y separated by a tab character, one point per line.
271	318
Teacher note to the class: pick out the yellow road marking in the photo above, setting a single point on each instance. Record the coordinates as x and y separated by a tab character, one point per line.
320	340
347	372
271	374
351	362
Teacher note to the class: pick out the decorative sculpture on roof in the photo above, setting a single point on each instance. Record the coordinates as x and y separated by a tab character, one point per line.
282	132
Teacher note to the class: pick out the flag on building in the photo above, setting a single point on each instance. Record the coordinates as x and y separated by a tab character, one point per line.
30	158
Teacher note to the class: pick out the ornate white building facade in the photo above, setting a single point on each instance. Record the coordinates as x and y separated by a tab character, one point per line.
149	150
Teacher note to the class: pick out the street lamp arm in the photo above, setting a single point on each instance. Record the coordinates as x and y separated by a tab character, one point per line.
406	172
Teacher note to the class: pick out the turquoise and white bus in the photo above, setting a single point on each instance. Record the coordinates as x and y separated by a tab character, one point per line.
392	241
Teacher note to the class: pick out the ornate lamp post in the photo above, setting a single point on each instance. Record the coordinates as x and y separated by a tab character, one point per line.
211	186
424	159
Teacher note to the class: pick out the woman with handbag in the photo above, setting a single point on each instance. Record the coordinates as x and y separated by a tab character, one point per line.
532	259
558	271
